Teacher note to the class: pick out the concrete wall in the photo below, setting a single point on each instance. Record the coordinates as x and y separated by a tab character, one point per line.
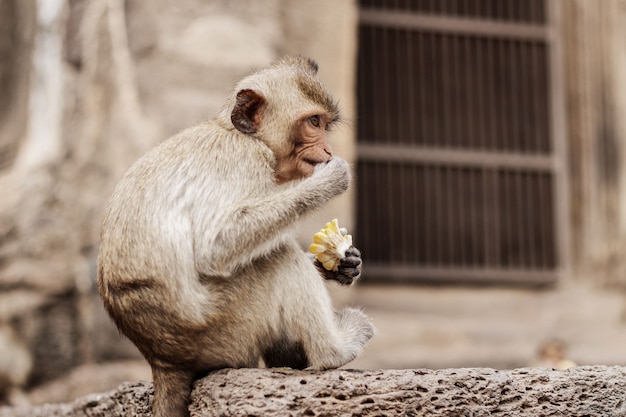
594	57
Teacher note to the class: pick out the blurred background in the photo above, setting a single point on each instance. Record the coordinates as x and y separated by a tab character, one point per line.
486	136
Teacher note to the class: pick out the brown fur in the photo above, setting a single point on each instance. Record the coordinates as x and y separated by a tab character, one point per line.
198	263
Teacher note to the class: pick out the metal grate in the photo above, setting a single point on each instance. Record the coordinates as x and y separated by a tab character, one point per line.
530	11
459	155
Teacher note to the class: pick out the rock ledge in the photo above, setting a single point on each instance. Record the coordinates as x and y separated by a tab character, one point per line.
583	391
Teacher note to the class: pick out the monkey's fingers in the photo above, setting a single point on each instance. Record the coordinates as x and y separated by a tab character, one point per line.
348	276
344	275
344	279
351	262
326	274
349	269
353	251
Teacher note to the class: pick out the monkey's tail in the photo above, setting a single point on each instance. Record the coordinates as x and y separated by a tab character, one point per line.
172	390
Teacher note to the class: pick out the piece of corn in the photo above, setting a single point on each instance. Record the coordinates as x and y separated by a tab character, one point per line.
330	245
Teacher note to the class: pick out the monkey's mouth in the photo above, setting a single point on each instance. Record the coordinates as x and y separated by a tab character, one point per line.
311	162
314	162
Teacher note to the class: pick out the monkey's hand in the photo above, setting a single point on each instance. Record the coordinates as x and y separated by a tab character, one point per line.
348	270
329	179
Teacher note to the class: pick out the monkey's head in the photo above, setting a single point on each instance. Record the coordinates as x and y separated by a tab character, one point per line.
287	107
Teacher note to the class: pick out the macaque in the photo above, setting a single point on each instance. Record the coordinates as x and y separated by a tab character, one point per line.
199	265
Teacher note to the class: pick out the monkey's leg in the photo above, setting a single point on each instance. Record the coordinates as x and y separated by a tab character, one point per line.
172	389
330	339
286	354
356	328
337	342
315	343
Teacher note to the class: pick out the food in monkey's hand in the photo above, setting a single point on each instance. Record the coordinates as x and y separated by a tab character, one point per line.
330	245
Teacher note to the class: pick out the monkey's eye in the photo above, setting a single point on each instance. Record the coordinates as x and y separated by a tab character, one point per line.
315	120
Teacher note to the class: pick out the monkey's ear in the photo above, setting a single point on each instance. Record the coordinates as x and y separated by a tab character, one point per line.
246	115
312	65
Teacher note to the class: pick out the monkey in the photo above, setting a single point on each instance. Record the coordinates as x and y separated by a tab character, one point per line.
198	263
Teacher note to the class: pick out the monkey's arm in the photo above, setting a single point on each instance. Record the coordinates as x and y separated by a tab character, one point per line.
256	226
349	269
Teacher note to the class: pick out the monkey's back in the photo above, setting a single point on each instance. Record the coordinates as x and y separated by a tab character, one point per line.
148	256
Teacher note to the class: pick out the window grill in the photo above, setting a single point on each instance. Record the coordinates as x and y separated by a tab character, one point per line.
460	130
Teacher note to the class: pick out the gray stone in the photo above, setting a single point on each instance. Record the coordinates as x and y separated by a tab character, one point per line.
583	391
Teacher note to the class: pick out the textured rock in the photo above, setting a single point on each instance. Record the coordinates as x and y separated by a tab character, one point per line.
583	391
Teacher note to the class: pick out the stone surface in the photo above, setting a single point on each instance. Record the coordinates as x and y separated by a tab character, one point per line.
583	391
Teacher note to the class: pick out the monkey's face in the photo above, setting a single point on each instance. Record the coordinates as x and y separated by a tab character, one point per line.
308	146
287	108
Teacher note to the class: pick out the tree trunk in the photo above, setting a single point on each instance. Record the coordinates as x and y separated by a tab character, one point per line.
583	391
